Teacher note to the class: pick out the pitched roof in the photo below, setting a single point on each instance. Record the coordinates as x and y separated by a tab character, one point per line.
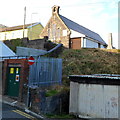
33	24
15	27
78	28
5	50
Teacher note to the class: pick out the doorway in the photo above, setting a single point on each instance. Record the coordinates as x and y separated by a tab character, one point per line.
75	43
13	80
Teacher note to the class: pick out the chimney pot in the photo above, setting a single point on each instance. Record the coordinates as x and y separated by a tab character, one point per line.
55	9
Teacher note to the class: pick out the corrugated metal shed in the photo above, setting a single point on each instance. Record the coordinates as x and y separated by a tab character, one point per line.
76	27
95	96
24	51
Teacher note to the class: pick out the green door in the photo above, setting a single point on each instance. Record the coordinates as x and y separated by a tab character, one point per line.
13	81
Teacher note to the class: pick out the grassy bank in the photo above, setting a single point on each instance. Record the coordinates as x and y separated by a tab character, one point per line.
89	61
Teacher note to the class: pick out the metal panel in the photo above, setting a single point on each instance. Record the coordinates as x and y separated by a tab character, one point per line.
45	71
24	51
74	95
96	101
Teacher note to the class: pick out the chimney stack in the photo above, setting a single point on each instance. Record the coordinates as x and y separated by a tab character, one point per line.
110	42
55	9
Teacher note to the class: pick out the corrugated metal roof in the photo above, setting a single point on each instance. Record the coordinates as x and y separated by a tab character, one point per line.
108	76
24	51
96	79
76	27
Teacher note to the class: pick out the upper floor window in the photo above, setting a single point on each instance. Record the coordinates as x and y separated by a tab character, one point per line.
64	32
54	31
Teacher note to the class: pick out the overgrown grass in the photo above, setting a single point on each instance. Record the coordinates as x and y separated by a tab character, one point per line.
89	61
51	93
12	44
55	90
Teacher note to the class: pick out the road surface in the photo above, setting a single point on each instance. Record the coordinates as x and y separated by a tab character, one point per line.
12	113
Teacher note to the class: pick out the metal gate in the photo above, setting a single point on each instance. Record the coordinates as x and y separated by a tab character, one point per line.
45	71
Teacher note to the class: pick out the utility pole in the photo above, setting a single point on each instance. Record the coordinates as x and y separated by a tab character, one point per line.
31	25
24	22
110	42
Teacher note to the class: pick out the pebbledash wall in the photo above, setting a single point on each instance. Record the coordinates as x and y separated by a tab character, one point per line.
23	64
94	96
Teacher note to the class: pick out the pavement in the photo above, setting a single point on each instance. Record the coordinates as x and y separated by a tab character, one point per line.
12	102
19	105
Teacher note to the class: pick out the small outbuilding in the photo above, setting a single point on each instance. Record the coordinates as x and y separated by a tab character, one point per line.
94	96
5	51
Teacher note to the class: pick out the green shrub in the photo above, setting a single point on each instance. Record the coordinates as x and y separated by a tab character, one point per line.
51	93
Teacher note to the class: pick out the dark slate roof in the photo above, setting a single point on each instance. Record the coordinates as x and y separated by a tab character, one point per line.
78	28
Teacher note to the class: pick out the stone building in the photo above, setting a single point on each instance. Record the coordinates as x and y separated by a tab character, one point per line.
60	29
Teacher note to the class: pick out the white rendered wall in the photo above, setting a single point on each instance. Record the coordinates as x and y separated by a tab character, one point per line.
12	34
76	34
94	101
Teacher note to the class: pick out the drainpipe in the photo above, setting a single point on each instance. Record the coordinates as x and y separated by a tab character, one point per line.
28	97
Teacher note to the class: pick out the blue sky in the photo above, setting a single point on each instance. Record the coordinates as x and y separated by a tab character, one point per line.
100	16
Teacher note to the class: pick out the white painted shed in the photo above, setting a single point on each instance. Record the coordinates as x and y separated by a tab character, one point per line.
95	96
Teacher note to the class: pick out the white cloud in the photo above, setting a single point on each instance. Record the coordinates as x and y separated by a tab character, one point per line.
95	15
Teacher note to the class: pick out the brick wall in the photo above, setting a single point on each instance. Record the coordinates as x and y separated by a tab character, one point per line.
23	74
